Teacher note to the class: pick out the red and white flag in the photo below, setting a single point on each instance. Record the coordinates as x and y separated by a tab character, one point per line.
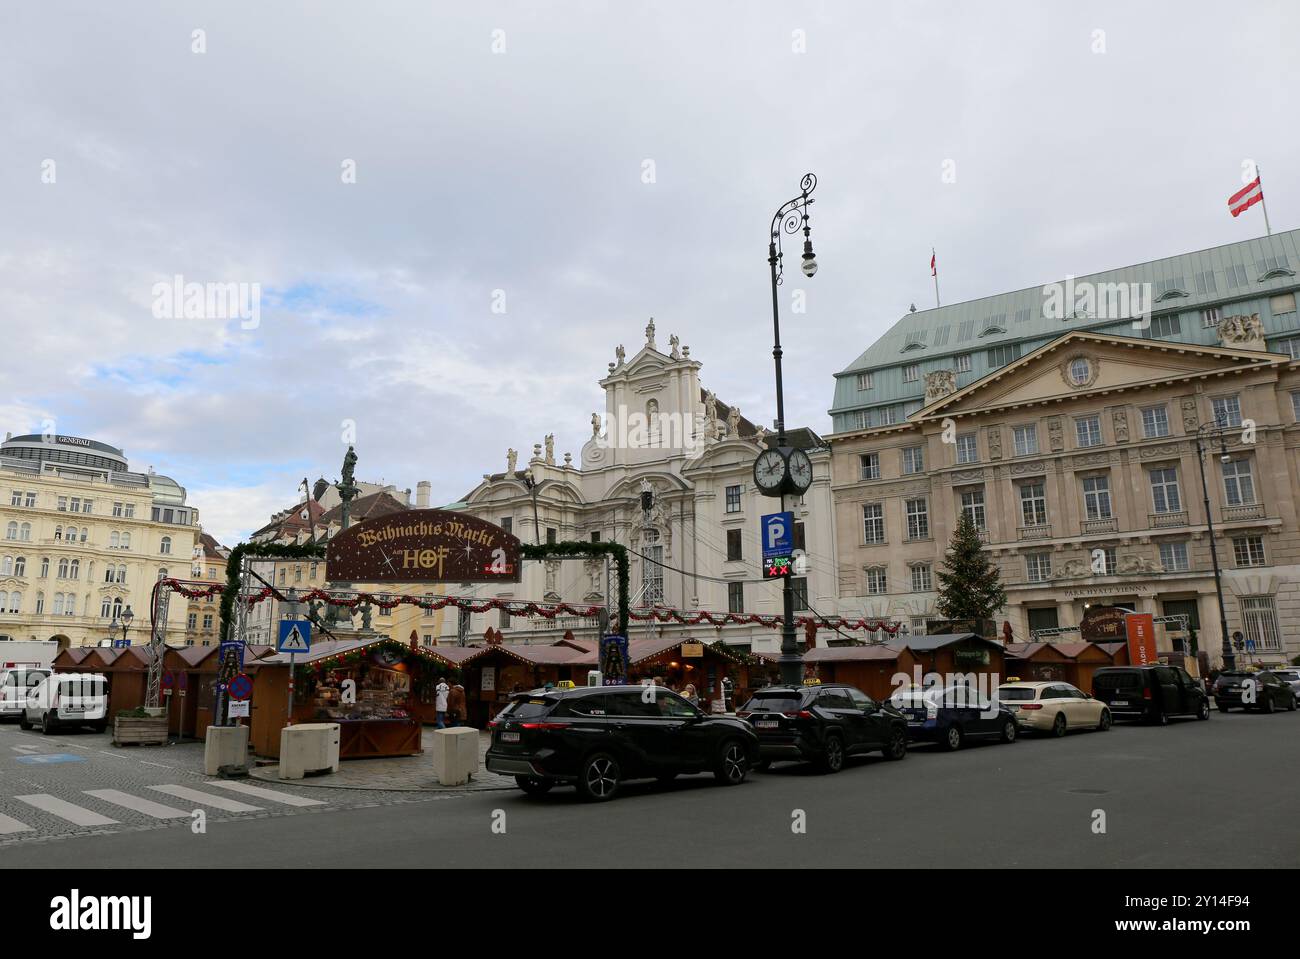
1246	197
934	270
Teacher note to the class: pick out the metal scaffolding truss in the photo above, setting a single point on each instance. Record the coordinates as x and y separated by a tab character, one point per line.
1179	619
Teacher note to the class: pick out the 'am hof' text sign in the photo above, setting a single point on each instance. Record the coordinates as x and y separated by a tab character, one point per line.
423	545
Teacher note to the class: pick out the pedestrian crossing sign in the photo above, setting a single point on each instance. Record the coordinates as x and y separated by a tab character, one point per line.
295	636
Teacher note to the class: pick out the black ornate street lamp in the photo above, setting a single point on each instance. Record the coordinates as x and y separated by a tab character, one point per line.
1205	436
790	217
122	622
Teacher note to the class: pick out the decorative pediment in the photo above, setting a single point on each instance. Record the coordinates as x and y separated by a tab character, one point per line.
1083	364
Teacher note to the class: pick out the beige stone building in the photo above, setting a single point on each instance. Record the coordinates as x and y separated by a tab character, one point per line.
82	538
1063	418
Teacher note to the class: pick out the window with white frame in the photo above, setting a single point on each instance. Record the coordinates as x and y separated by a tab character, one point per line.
972	505
1210	318
869	466
1227	410
16	498
1248	550
1164	490
918	519
864	382
1259	616
911	372
1173	557
117	509
963	362
165	545
877	581
1165	326
922	578
873	523
1033	504
1238	483
1025	439
1109	561
1096	497
968	448
733	499
1155	422
1087	430
1290	346
1038	567
914	458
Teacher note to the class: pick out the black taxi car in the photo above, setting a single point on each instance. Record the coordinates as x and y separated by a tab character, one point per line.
597	737
823	724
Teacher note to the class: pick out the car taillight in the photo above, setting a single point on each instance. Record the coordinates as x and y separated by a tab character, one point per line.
1146	694
493	724
545	725
1032	706
801	714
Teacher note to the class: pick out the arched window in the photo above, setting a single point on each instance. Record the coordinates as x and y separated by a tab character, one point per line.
126	540
40	603
114	539
85	532
121	574
165	547
20	566
25	532
70	605
75	571
106	608
108	574
15	602
58	604
63	569
6	566
11	531
58	532
117	608
45	567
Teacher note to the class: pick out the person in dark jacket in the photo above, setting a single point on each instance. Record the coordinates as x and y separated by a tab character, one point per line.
456	706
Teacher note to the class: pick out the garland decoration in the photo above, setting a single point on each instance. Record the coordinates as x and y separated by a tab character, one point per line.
261	551
579	548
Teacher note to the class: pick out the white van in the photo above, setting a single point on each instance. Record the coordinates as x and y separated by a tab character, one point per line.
66	700
15	683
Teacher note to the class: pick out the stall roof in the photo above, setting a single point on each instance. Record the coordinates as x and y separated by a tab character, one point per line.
334	647
852	654
927	644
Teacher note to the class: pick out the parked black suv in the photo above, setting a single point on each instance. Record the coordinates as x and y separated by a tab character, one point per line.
1232	690
823	724
597	737
1153	693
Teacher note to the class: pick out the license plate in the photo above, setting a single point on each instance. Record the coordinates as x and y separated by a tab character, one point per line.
766	724
1119	702
510	737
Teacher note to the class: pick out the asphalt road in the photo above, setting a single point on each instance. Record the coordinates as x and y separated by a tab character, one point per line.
1194	794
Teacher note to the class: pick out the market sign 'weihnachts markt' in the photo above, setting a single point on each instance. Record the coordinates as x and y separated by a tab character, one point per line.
423	545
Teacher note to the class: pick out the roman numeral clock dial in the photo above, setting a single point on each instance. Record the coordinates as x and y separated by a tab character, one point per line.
770	472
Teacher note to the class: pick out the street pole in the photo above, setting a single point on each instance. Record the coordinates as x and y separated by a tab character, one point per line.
790	217
1229	658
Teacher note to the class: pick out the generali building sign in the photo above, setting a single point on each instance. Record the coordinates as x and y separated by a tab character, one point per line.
424	546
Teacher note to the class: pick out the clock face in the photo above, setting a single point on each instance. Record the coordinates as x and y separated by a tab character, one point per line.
769	471
801	470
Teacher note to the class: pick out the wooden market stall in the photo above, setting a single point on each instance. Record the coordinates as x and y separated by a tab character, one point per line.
956	654
193	670
493	673
1073	663
678	662
126	671
873	669
393	694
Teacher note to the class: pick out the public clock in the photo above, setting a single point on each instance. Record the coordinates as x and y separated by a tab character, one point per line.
800	470
770	472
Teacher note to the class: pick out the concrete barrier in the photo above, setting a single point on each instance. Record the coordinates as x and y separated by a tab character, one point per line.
224	746
455	755
309	748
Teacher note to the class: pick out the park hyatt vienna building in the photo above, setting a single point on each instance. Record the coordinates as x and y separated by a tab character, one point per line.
1067	430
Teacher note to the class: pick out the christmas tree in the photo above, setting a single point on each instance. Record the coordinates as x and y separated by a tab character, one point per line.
970	587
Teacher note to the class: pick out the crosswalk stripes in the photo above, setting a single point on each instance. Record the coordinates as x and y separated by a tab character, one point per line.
138	804
10	825
74	814
259	792
206	799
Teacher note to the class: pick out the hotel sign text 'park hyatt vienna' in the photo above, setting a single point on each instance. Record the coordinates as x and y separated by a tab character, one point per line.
423	545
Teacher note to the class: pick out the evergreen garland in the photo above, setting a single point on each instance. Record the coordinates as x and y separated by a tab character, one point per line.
970	587
258	550
578	548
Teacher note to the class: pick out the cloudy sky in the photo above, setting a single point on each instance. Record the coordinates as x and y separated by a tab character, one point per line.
503	146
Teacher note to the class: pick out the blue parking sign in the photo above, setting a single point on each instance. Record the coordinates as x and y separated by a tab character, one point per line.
777	534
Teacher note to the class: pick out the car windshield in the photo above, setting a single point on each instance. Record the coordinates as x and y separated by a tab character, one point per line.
1012	694
533	707
1113	680
777	701
1287	675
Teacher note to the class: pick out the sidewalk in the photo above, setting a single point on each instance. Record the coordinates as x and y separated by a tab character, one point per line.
399	774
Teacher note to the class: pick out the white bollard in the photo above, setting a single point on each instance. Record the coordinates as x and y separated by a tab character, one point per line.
308	748
455	755
224	746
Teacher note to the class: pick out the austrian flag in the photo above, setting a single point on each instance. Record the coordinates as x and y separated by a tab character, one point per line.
1246	197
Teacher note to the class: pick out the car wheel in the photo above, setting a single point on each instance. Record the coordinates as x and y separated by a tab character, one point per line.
534	786
100	727
47	725
1058	725
1103	723
1161	718
1268	703
733	764
22	721
598	781
832	758
897	746
1204	711
1009	731
952	738
1291	703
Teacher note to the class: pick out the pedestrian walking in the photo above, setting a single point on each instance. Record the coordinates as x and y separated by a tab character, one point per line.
456	710
440	703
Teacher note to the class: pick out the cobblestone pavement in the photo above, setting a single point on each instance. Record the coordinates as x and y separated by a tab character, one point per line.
76	783
399	774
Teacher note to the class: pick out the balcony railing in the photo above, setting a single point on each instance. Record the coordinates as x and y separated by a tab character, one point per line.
1247	511
1167	520
1039	531
1108	525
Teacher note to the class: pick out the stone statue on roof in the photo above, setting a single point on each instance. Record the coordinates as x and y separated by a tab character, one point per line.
675	347
733	421
512	460
620	355
650	334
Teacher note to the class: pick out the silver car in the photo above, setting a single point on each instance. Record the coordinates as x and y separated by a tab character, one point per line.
1290	677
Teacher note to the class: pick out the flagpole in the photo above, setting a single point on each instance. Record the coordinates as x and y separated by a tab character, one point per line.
1263	202
936	274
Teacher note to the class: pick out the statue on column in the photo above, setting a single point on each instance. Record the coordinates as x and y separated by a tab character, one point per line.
650	334
347	486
